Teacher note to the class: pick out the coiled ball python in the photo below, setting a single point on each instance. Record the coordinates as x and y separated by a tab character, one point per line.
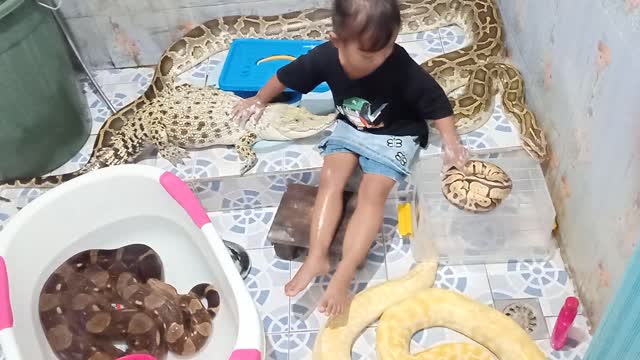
479	188
472	76
408	304
98	297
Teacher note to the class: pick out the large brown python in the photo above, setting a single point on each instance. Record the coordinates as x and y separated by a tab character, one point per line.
78	313
476	73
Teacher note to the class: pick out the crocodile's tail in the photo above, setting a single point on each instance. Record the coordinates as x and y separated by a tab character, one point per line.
40	182
48	181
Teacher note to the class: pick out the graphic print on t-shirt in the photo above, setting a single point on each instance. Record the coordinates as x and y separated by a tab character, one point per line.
358	111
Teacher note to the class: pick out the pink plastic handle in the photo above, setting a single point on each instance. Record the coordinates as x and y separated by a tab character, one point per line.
185	197
245	354
137	357
242	354
6	315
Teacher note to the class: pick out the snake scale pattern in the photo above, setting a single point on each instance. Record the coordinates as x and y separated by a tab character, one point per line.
79	315
174	118
408	304
480	188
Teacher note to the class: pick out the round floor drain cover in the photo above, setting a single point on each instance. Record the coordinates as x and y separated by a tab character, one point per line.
523	315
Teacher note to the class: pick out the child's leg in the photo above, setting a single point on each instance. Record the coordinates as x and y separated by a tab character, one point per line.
327	212
361	232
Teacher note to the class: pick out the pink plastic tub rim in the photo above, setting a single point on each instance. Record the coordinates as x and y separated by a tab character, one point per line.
245	354
241	354
137	357
188	200
6	315
185	197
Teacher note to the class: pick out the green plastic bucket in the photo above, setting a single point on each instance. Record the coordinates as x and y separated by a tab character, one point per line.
44	119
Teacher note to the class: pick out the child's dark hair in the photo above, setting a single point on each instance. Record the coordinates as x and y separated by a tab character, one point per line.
372	23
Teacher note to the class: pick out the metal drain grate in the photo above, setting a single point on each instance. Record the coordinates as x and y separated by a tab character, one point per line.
523	315
526	313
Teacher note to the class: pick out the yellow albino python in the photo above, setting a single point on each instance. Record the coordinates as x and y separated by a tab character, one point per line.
478	69
409	304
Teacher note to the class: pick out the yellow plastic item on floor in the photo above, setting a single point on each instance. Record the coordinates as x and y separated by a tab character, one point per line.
404	220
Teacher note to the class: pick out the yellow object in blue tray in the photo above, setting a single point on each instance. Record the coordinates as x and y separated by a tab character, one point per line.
250	63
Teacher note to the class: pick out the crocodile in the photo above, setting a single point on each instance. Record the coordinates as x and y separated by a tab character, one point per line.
192	118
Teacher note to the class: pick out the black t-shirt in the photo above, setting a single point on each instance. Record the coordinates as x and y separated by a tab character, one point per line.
399	93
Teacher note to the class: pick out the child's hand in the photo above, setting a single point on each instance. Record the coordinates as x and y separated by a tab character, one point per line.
454	154
248	109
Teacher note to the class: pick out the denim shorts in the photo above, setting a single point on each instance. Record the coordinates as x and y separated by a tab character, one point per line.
386	155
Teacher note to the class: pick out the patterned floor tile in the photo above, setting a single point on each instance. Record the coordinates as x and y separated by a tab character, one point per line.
185	170
498	133
470	280
423	50
301	345
499	121
121	95
547	280
451	31
373	270
224	161
7	210
20	197
216	62
277	346
577	343
433	35
435	145
241	192
217	161
79	159
304	154
364	347
98	110
196	76
304	313
266	283
141	75
207	163
450	44
272	272
248	228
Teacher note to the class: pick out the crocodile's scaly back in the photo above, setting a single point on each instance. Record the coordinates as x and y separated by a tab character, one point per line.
200	117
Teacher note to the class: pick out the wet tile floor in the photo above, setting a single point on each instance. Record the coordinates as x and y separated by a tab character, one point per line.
292	325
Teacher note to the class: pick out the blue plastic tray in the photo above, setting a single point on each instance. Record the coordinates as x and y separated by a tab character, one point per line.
245	70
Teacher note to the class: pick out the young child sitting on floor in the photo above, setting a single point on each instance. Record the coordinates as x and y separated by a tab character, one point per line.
383	98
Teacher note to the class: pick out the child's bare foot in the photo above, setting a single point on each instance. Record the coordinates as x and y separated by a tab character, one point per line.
336	299
311	268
